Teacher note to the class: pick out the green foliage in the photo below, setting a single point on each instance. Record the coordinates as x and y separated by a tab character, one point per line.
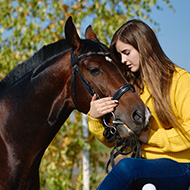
27	25
61	165
59	160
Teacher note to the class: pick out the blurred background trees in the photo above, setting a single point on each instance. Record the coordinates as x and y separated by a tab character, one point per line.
27	25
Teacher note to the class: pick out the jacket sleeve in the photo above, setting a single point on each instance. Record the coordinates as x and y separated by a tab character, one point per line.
176	139
97	129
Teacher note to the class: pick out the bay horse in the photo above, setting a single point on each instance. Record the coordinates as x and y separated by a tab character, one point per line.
38	95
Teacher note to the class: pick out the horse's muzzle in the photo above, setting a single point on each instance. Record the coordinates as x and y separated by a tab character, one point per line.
142	124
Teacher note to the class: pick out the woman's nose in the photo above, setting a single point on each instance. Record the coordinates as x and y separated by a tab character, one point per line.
123	59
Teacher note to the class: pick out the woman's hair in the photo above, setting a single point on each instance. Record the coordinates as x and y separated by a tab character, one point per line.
155	67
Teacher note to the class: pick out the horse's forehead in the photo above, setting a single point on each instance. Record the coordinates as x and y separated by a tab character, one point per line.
92	45
103	63
98	60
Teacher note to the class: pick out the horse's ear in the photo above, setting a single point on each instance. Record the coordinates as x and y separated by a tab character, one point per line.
71	34
90	34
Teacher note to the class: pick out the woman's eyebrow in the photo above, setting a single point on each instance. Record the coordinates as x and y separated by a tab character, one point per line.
124	50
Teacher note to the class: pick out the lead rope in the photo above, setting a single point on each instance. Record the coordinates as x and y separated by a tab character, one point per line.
111	135
113	154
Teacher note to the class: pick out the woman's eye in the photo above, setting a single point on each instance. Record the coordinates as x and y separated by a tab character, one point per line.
94	71
127	53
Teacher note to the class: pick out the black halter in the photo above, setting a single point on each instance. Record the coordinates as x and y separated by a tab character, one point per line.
75	69
110	130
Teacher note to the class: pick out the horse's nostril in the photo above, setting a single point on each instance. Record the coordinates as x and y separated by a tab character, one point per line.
138	117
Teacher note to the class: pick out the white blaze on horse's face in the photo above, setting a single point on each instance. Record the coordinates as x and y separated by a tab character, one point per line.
108	59
147	116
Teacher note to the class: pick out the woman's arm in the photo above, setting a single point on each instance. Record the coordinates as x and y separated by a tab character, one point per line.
97	129
98	108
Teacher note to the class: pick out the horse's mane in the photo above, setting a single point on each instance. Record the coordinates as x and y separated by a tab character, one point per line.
46	53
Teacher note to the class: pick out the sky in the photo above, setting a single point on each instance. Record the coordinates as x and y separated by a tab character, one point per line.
174	34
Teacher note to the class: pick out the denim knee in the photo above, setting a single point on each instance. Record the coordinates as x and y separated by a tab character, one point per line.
129	167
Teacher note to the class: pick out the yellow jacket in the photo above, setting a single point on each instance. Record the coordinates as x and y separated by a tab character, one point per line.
163	143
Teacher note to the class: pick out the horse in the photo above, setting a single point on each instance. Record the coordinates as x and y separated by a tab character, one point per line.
38	95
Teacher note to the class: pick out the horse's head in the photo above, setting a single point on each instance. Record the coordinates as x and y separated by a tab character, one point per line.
94	72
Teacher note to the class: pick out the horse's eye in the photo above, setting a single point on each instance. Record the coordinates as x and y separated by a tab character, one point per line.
95	71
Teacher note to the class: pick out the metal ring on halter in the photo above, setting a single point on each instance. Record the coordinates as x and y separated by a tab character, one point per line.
112	128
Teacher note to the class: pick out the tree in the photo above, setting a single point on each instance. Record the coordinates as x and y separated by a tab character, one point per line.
27	25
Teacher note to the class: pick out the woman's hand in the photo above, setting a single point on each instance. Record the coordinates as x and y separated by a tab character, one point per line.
143	137
102	106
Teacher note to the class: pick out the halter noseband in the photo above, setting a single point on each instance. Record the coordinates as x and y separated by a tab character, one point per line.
117	96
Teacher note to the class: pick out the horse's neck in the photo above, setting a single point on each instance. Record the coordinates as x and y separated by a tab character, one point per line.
38	105
32	111
57	91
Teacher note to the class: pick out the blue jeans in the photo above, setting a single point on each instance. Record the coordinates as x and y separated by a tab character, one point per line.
134	173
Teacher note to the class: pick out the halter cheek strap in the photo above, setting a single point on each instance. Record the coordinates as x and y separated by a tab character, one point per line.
75	69
84	81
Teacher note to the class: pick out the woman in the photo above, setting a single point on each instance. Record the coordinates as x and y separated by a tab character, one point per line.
165	89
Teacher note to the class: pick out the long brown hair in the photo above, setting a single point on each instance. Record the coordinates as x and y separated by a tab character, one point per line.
155	67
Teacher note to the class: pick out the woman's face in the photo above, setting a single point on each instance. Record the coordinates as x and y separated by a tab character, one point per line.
129	55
